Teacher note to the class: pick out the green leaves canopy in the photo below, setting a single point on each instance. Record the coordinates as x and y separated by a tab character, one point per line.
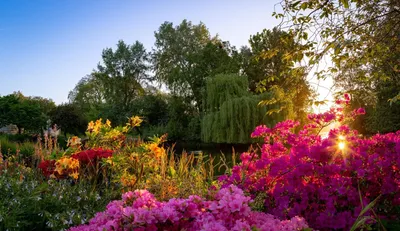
185	55
24	112
232	112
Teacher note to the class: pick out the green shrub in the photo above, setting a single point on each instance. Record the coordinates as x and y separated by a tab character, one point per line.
7	147
33	204
26	149
151	131
21	138
62	141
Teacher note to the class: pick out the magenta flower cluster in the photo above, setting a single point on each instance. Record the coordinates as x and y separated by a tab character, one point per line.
229	210
321	180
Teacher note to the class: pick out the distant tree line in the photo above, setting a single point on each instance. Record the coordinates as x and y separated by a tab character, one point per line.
188	61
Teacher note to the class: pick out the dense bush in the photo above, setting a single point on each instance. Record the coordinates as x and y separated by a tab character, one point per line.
8	147
108	155
29	203
228	210
326	181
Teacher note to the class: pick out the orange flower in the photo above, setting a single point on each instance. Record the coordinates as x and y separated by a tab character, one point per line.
74	175
90	126
134	121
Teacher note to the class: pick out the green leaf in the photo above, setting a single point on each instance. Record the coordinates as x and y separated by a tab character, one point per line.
304	5
345	3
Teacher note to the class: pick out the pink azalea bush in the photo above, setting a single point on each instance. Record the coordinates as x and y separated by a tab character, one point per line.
322	180
229	210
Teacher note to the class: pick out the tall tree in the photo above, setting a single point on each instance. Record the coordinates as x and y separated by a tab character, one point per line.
88	95
232	112
266	58
69	118
119	79
361	37
185	55
23	112
269	65
123	73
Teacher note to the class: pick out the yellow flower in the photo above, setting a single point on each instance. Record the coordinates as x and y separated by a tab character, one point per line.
74	141
63	162
157	151
74	163
135	121
74	175
125	129
59	169
90	126
66	163
109	161
108	123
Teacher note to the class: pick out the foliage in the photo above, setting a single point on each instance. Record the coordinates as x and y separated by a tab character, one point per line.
152	108
29	203
109	157
8	147
228	210
361	39
69	118
266	59
185	55
21	111
232	112
273	62
20	138
122	73
88	96
113	87
180	112
322	179
384	114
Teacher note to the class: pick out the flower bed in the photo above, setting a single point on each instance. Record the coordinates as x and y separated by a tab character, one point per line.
229	210
326	181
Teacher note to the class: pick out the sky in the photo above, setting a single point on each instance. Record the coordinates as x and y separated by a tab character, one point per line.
47	46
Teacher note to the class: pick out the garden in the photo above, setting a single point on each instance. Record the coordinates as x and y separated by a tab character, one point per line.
294	180
194	133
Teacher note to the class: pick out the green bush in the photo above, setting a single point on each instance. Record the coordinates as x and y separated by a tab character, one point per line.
26	149
7	147
21	138
33	204
62	141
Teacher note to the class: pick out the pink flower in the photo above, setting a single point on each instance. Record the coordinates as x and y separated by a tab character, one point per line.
347	97
361	111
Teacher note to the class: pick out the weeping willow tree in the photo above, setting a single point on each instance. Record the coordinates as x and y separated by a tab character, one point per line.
231	112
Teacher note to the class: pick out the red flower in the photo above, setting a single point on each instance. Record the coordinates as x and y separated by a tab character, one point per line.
347	97
92	155
47	167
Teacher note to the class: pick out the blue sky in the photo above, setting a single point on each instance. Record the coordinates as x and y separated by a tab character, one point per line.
47	46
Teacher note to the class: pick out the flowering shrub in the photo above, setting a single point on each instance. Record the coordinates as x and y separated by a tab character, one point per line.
229	210
47	167
103	135
70	166
67	166
326	181
92	156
